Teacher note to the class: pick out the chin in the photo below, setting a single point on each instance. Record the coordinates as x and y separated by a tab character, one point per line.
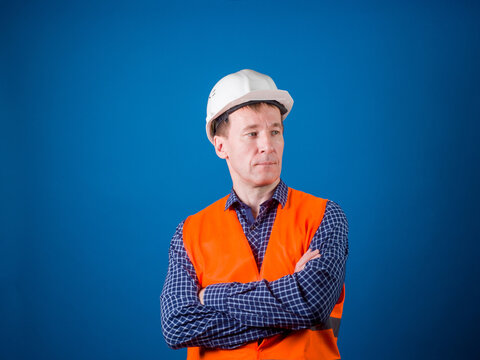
267	180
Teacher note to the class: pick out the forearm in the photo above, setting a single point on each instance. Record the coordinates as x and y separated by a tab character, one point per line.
296	301
199	325
290	302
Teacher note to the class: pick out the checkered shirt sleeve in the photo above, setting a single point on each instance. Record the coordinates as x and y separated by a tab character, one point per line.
235	314
297	301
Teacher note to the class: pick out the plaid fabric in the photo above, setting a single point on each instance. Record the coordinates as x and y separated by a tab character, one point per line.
235	314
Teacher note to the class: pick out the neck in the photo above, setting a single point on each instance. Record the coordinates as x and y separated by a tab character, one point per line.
254	196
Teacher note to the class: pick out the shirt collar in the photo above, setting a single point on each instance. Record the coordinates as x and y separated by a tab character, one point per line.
280	194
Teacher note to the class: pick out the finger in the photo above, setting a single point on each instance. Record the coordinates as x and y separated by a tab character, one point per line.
200	295
304	259
309	256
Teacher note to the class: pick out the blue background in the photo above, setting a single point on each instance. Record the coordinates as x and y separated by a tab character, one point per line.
103	153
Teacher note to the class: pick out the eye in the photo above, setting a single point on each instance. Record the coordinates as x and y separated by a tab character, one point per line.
275	132
252	134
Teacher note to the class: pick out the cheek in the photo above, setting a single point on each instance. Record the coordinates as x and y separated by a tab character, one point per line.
280	148
242	155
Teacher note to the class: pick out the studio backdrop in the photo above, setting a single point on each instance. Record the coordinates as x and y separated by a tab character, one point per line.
103	152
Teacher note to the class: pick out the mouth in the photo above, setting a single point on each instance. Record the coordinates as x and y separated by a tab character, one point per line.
266	163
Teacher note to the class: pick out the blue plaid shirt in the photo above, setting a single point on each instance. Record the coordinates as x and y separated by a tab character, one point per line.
235	314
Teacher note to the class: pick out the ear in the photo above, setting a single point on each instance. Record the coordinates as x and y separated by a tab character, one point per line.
220	148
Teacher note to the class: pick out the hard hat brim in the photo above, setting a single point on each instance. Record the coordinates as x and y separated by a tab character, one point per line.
282	96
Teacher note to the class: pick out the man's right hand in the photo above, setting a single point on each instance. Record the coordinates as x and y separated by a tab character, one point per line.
309	255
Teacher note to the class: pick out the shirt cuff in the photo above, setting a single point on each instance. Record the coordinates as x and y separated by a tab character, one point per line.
216	296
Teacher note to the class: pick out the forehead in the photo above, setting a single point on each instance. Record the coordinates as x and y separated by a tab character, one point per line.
264	116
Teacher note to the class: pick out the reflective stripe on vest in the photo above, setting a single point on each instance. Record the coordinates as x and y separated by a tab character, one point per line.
220	253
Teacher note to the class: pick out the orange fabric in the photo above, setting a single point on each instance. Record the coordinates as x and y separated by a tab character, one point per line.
220	253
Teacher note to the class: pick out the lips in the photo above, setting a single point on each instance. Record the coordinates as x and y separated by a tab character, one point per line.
266	163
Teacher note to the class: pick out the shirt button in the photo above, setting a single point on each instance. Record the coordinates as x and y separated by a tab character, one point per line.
252	227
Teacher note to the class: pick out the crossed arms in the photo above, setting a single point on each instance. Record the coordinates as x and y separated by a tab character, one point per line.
235	313
309	255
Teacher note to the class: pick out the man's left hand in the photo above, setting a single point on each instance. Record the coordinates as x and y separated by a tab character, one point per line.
200	295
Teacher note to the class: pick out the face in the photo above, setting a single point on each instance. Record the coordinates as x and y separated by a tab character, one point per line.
253	148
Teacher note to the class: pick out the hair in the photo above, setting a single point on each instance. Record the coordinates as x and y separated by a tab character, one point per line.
221	124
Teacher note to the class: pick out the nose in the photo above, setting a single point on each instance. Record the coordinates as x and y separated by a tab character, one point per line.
265	143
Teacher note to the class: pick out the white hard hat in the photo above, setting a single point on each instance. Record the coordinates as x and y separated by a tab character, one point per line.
242	87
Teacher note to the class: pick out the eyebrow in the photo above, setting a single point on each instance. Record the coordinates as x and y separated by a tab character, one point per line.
253	127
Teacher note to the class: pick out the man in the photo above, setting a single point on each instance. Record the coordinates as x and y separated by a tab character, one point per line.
259	273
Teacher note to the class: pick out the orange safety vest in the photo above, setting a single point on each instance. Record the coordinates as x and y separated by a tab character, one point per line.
220	252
